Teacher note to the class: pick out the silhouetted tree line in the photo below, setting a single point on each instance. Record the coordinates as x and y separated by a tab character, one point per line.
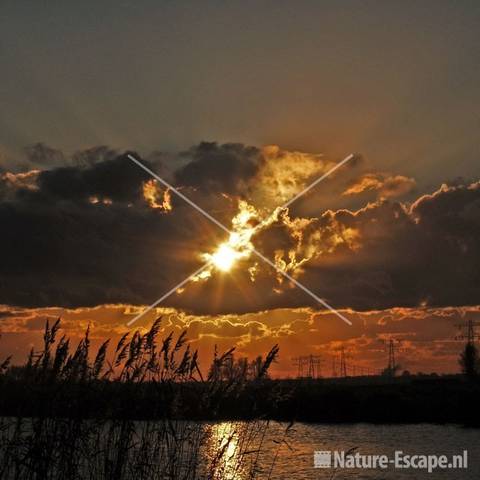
150	378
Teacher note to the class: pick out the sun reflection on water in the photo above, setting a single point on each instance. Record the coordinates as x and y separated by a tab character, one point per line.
223	451
232	449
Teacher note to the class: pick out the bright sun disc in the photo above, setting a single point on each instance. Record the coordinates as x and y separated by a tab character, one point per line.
224	258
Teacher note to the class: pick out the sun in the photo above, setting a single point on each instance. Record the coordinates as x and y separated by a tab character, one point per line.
236	248
224	257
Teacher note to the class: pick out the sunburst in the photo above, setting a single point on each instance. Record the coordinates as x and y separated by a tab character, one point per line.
225	257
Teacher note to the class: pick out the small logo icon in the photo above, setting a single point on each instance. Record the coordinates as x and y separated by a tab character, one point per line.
322	459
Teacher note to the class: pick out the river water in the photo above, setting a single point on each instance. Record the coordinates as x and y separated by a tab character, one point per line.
289	454
222	450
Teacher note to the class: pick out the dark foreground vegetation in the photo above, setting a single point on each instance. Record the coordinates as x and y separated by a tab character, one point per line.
75	414
142	410
146	378
417	400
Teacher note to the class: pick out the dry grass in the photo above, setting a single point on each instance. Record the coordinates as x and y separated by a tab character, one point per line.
63	440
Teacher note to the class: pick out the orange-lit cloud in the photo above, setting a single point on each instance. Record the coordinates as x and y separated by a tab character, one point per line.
100	226
427	335
385	185
156	197
285	173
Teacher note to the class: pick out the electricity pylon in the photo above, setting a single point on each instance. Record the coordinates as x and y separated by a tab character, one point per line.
334	367
307	366
468	331
343	363
390	345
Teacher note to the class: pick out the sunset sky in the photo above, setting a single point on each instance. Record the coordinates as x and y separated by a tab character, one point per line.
241	105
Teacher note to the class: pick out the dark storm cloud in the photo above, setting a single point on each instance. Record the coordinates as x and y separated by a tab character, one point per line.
424	254
117	179
407	256
83	234
220	168
41	155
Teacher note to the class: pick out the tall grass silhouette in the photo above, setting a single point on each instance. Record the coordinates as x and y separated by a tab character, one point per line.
122	413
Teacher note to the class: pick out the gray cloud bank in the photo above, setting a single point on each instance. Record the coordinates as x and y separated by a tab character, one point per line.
80	232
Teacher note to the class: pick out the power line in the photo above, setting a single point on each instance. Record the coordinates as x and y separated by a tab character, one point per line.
308	366
468	331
